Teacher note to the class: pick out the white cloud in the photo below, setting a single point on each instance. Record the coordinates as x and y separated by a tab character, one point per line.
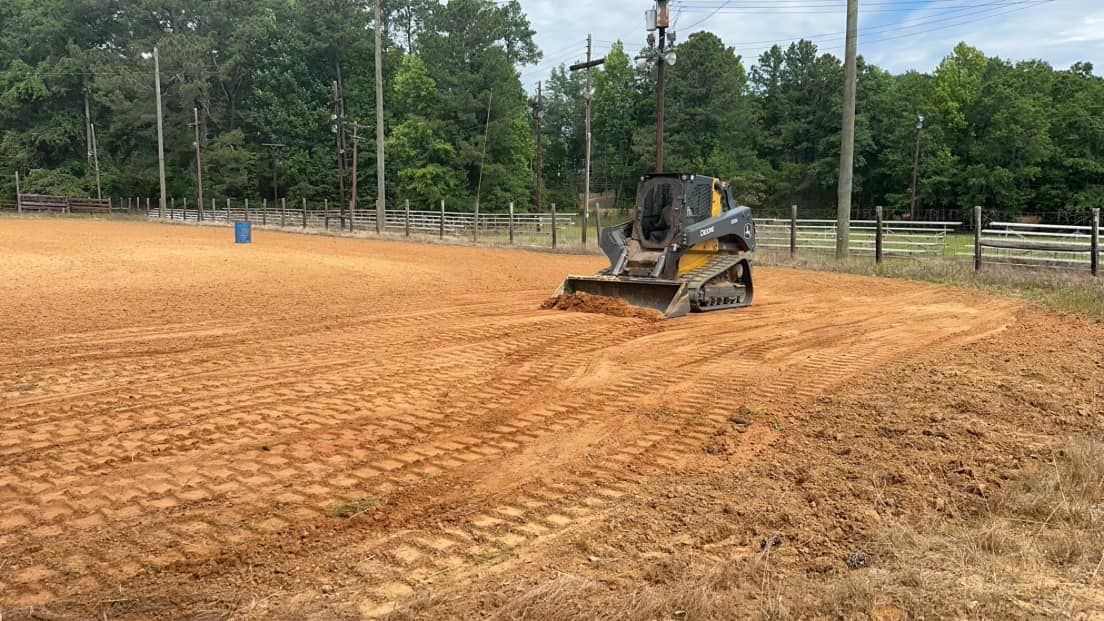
1060	32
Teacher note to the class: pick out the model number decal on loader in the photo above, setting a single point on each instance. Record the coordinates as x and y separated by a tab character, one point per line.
706	231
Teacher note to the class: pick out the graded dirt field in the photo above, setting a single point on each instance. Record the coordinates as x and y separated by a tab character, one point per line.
314	427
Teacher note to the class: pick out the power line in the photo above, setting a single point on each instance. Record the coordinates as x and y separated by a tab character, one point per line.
934	19
827	9
708	17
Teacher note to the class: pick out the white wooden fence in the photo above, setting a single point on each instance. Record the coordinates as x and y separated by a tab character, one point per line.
899	238
1047	245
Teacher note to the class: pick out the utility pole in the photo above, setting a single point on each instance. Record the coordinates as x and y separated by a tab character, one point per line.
916	165
482	163
847	141
381	194
538	111
275	162
87	121
662	22
356	160
199	165
588	97
659	19
95	160
160	133
339	133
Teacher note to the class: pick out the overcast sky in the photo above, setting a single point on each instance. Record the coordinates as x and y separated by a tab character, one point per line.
894	34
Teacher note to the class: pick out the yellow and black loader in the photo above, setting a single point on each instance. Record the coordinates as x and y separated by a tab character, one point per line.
687	248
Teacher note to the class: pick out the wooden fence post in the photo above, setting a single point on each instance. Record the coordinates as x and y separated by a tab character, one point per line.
326	213
264	211
510	223
18	195
553	225
793	231
442	219
977	239
283	211
878	240
406	218
228	218
1095	244
147	205
304	213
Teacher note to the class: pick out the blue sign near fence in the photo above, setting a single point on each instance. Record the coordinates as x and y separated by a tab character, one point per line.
243	233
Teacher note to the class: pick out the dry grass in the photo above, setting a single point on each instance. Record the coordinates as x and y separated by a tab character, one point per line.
352	508
561	599
1035	549
1032	550
1064	291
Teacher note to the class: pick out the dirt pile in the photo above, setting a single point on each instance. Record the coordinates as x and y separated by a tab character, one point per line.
600	305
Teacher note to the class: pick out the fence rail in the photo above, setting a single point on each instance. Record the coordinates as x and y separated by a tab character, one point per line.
1069	246
535	229
41	203
1046	245
898	238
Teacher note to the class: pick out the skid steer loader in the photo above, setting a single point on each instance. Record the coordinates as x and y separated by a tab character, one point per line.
687	248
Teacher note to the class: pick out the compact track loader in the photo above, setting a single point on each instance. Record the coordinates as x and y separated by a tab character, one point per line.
687	248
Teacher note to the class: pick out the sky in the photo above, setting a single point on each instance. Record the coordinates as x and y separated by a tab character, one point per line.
897	35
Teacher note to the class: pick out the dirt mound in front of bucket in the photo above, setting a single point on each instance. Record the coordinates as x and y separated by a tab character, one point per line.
601	305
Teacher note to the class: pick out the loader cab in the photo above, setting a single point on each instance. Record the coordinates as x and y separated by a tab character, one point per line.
659	206
667	202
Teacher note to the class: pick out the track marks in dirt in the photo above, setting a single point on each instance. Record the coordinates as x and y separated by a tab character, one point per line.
178	460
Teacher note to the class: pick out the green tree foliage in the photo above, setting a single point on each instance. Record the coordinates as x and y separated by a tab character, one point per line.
1020	136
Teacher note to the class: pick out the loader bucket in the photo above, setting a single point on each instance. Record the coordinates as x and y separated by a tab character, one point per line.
669	297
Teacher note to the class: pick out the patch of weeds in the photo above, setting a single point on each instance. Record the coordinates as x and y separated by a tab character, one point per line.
352	508
664	414
500	554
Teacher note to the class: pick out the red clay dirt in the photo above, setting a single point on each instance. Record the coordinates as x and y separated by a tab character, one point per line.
599	304
184	422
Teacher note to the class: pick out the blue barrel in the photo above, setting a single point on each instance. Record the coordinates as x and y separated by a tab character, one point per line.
243	232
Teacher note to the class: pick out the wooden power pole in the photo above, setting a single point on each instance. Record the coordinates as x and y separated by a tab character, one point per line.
482	163
847	139
95	160
381	194
199	165
356	157
588	97
339	136
538	111
916	166
160	133
663	21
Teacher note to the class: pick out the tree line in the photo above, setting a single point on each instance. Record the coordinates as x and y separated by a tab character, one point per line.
1017	136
